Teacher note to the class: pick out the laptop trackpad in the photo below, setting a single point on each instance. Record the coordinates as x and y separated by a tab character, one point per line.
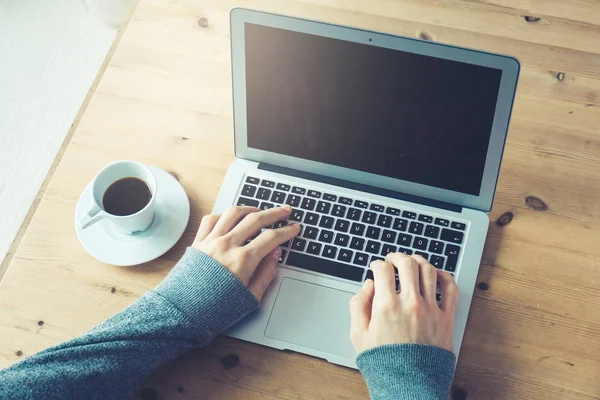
312	316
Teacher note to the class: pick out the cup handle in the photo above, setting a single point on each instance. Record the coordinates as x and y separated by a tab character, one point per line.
93	215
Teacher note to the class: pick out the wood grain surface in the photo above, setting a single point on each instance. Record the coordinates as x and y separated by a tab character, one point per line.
165	99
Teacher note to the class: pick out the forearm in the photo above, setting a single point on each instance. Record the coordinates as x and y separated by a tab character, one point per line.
198	300
407	372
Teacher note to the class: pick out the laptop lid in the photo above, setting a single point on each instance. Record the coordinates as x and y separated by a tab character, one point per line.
406	115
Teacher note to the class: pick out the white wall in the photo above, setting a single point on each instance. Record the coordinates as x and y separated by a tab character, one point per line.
50	52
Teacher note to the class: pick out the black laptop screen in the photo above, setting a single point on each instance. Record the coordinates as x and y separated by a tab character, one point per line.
393	113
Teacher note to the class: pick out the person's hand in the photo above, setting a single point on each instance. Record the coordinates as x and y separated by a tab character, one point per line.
223	237
381	316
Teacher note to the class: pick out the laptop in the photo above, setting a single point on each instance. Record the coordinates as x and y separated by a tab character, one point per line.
380	144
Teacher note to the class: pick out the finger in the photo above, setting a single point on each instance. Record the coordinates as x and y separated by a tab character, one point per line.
449	292
264	274
408	273
360	307
255	222
270	239
230	218
427	278
206	226
385	278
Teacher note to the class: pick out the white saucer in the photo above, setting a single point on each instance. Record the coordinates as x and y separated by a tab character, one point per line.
172	212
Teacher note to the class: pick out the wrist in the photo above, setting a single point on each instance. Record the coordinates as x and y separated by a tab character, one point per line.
206	292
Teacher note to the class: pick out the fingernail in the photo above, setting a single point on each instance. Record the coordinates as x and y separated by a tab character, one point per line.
276	253
286	207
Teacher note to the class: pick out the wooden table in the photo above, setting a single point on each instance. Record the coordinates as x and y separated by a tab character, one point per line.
165	99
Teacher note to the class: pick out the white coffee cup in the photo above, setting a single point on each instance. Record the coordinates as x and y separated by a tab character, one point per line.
127	224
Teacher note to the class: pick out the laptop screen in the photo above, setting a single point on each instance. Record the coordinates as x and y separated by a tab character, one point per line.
398	114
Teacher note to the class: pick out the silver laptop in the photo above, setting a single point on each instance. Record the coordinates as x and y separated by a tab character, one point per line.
380	143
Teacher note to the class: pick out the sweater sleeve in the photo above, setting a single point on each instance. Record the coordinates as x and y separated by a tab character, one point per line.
197	300
407	372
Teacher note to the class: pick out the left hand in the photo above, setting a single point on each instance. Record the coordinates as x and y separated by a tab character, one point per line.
223	237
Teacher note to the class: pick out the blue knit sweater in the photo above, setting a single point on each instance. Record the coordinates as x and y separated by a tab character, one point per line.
197	300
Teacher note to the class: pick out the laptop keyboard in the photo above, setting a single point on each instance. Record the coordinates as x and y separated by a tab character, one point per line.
341	236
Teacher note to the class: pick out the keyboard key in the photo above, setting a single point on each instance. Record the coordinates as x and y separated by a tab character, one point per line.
409	214
298	244
452	250
281	257
458	225
422	254
373	247
400	224
420	243
297	190
442	222
360	204
437	261
436	247
265	206
406	251
329	251
452	236
263	194
326	222
373	232
296	215
369	217
432	231
338	211
314	193
285	245
283	186
361	259
388	248
345	200
252	180
416	228
354	214
377	207
384	221
311	218
375	258
392	211
357	243
314	248
345	255
451	262
279	224
248	190
328	267
293	200
404	239
425	218
357	229
266	183
310	232
242	201
342	240
326	236
341	225
278	197
323	207
308	204
329	197
388	236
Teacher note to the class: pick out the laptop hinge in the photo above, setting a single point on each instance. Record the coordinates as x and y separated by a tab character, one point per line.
360	187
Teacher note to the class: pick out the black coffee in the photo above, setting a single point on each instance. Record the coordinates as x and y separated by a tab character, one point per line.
126	196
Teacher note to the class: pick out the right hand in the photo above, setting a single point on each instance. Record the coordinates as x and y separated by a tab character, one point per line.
223	237
381	316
